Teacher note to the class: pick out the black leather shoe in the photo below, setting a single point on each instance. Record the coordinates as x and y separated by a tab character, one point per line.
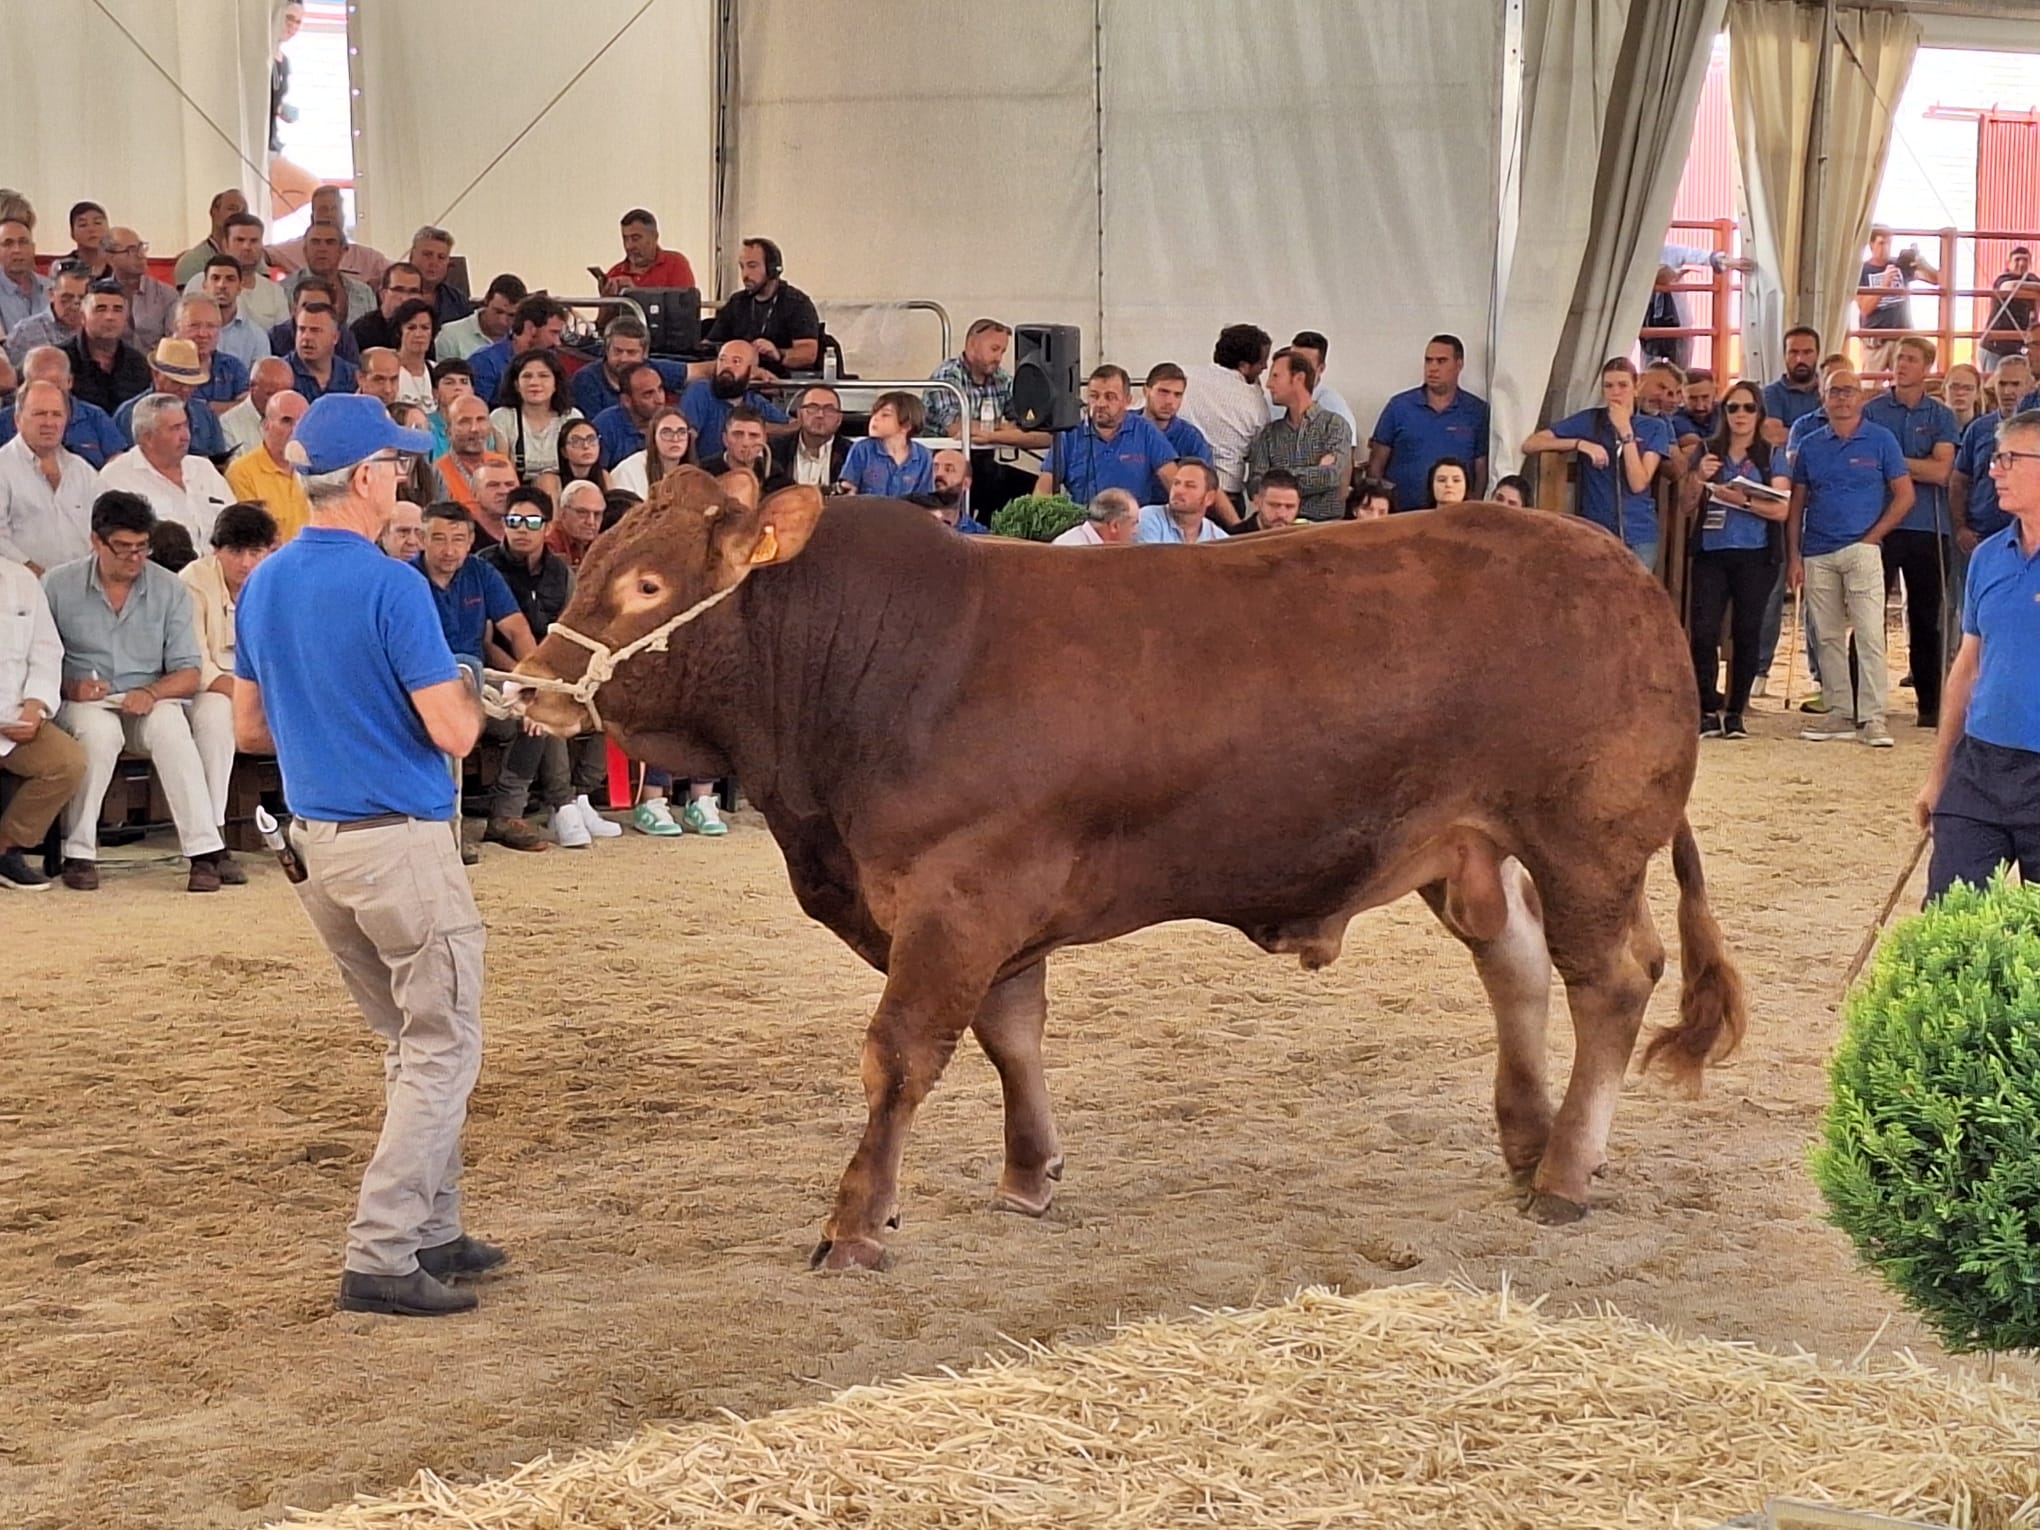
462	1259
414	1295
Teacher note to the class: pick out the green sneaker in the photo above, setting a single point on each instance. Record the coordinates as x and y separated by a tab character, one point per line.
656	818
1815	703
701	816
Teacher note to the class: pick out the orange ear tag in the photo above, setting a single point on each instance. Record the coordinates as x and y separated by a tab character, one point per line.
767	548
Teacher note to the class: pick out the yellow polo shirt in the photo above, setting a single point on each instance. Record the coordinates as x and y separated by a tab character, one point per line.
258	476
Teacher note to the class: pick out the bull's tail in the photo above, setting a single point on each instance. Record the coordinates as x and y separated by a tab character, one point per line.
1712	1016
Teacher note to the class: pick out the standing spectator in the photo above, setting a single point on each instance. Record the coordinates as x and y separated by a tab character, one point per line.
1739	540
1110	449
468	454
240	337
707	401
1313	345
578	521
1796	391
315	370
814	453
224	205
889	462
1278	504
1110	520
88	238
1918	548
1161	402
244	423
267	477
626	344
176	371
1447	485
460	338
401	283
22	292
242	537
1512	490
1698	413
1225	402
46	492
1440	419
537	325
130	656
644	264
1667	309
1850	488
89	432
532	404
362	262
1311	442
46	762
161	469
1882	303
198	321
773	315
580	458
432	253
105	369
1620	451
262	300
1973	508
2015	293
1185	518
743	443
412	323
1962	392
325	250
671	446
149	301
59	323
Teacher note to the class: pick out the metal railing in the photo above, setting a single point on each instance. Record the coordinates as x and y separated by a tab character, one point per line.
1722	326
1953	248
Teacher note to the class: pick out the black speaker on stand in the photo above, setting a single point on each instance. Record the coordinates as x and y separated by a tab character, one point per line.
1047	388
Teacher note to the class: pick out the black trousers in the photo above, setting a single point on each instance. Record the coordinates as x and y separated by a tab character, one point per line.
1988	816
1736	583
1924	561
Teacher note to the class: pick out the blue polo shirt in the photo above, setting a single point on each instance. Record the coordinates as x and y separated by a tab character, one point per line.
619	434
489	364
1801	428
1419	437
473	597
2001	606
1848	484
593	393
708	414
208	438
1789	404
338	636
90	433
1743	531
1684	425
228	382
344	379
1979	445
1918	431
1184	439
870	467
1637	524
283	342
1085	463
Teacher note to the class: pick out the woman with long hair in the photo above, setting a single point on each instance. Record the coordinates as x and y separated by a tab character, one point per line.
669	444
415	327
531	406
1619	447
1512	490
580	457
1739	542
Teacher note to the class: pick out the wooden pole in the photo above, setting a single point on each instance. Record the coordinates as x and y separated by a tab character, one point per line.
1890	902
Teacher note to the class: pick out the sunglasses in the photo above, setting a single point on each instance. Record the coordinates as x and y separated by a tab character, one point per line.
524	522
1738	408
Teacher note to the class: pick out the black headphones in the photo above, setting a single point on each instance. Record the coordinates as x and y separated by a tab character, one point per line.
774	262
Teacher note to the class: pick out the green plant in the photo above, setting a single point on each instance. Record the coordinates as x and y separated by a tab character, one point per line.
1930	1151
1037	517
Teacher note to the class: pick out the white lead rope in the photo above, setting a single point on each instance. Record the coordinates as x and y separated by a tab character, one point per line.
602	663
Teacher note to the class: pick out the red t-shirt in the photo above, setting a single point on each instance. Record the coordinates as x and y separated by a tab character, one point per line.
669	270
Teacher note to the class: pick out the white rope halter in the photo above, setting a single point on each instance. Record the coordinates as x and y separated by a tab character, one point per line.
602	663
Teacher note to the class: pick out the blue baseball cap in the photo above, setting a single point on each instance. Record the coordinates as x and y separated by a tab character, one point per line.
342	429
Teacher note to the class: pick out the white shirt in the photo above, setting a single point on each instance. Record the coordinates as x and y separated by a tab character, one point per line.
195	506
1083	534
812	468
416	390
541	453
31	652
629	475
38	524
261	299
1230	411
242	426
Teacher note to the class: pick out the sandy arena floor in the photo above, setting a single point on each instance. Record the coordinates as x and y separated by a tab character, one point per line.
671	1089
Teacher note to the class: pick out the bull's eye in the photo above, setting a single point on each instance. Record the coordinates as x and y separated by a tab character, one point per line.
648	587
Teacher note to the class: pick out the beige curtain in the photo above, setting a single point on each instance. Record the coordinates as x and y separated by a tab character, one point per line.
1774	59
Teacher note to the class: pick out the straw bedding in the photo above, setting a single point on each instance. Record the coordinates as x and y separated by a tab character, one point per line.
1414	1406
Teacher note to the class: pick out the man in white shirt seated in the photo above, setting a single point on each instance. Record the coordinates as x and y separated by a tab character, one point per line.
814	453
242	424
178	486
47	760
1225	401
1186	517
46	493
1109	521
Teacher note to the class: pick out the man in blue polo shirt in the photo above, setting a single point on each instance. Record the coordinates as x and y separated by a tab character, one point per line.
626	343
1850	489
1796	391
622	426
1111	449
1982	796
1161	396
89	432
1919	548
1421	427
341	671
1972	490
1620	450
470	596
707	401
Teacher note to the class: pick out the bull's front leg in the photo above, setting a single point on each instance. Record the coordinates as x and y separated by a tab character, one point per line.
935	985
1008	1027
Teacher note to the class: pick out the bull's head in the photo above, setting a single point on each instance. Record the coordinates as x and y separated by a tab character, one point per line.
692	542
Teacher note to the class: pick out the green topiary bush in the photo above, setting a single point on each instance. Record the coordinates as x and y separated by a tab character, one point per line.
1930	1152
1037	517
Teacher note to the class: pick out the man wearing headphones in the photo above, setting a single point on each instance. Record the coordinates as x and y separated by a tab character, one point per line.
772	314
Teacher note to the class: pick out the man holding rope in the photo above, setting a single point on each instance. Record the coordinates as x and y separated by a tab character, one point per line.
1982	797
343	673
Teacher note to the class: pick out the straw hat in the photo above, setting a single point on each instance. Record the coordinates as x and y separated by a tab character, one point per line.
178	361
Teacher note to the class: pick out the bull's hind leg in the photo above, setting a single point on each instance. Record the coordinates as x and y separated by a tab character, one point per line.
1008	1027
1515	969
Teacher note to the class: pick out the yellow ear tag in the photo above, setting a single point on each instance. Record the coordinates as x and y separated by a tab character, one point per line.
767	548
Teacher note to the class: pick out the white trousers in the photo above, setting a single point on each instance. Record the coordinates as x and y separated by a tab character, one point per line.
165	736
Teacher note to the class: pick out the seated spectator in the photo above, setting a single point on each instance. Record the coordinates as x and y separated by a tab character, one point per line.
378	375
460	338
360	261
1110	520
1225	402
46	761
315	370
149	301
225	204
266	476
88	238
23	293
532	403
325	246
1111	449
708	401
261	299
744	443
616	504
197	319
1514	491
176	372
432	253
537	325
401	285
46	492
105	369
949	501
161	469
1161	397
672	446
1439	419
314	290
171	547
774	316
1620	451
417	479
463	469
240	336
1310	343
243	424
1193	488
242	537
412	324
59	322
578	521
1278	504
1311	442
644	264
813	454
89	431
451	379
404	537
626	343
1371	498
580	457
988	387
622	426
1448	483
889	462
131	658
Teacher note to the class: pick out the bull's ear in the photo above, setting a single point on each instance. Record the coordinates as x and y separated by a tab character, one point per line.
773	532
740	486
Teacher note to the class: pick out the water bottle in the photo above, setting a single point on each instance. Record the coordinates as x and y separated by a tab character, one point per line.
988	417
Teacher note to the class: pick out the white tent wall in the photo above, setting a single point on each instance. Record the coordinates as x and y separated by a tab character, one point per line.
446	85
155	162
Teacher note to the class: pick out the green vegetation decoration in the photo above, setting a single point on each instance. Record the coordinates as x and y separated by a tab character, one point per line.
1930	1152
1037	517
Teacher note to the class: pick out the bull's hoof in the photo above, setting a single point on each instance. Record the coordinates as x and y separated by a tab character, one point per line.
1029	1192
1553	1210
848	1254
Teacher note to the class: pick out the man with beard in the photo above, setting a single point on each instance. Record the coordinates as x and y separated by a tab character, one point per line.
776	317
622	426
707	401
537	325
950	501
1797	391
262	300
814	453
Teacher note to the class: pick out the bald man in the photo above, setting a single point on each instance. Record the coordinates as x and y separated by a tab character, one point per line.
243	423
150	302
707	401
379	375
265	475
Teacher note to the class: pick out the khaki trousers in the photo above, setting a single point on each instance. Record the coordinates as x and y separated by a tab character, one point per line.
1844	593
393	906
50	766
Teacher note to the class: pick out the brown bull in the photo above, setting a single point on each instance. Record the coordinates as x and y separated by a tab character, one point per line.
975	751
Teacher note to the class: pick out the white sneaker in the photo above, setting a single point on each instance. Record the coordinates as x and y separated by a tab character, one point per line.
1832	726
1875	734
568	827
596	824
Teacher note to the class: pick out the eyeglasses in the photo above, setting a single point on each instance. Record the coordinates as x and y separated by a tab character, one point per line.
2003	460
1738	408
524	522
819	409
128	549
1843	392
141	247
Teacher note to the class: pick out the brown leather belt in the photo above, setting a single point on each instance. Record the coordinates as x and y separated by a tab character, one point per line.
380	821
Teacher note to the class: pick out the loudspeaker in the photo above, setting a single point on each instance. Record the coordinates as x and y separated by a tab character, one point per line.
1047	391
673	315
